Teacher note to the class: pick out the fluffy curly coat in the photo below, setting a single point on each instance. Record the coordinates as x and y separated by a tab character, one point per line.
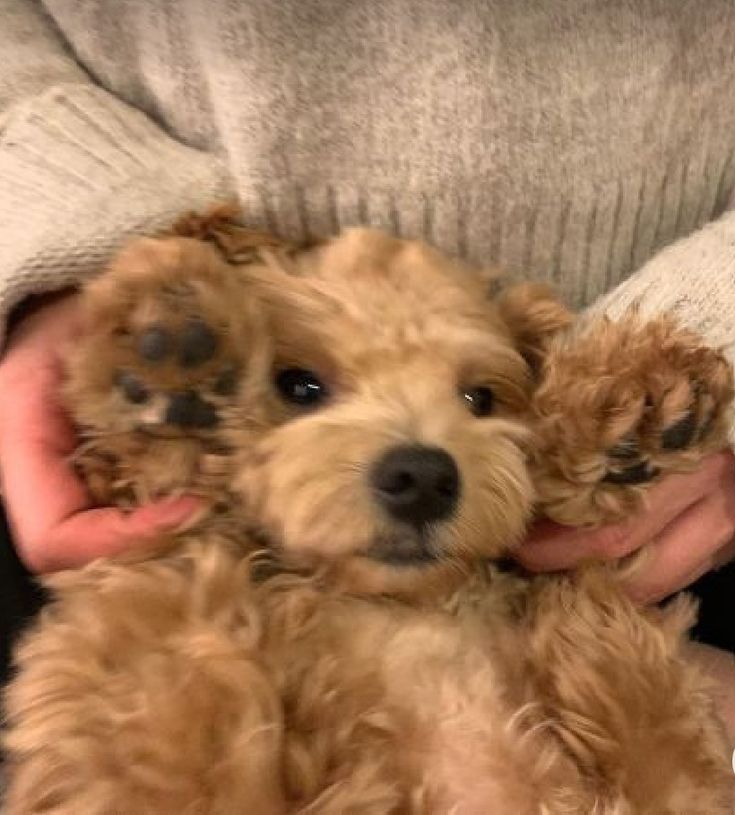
361	664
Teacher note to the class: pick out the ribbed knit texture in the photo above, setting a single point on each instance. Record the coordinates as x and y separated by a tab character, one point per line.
80	171
694	279
565	141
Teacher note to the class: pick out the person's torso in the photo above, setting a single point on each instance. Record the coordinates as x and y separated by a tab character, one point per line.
564	141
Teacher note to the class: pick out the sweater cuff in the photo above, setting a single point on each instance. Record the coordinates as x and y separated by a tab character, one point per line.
81	171
694	280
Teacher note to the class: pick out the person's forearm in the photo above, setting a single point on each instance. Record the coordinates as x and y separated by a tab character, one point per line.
80	169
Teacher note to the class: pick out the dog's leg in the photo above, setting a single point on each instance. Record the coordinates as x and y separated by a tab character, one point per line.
637	719
142	692
618	405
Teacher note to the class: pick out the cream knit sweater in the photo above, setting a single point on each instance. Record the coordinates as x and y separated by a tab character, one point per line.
566	140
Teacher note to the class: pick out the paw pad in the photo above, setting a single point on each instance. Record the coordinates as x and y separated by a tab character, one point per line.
133	389
188	409
681	434
182	393
198	344
155	344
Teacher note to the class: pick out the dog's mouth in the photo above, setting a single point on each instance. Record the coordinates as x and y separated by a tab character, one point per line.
404	550
169	431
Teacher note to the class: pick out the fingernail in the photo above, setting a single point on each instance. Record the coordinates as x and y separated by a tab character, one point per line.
180	513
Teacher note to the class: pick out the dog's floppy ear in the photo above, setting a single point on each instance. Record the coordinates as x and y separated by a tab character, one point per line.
534	315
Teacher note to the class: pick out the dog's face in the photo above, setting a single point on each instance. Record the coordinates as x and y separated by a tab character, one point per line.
165	351
396	452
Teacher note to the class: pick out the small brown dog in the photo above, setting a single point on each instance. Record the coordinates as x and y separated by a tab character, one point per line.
389	433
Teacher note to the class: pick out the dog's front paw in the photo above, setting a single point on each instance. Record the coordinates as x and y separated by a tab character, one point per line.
172	335
619	405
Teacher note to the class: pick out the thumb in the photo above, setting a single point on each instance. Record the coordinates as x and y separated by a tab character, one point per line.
108	532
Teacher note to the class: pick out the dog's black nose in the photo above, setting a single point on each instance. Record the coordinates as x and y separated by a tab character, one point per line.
188	409
417	484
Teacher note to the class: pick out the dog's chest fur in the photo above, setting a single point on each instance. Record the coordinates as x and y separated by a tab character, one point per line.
450	684
440	699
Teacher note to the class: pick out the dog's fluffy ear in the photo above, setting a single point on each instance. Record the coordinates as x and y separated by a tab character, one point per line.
534	315
220	225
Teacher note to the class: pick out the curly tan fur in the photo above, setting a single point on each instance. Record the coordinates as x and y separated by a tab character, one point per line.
535	317
219	226
320	677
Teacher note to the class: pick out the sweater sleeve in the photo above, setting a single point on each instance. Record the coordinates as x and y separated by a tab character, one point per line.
79	169
693	279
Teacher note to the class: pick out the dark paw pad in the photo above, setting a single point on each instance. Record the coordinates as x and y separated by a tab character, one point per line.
640	473
198	344
681	434
155	344
188	409
133	389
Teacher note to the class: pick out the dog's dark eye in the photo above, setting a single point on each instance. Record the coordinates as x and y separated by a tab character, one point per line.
480	400
301	387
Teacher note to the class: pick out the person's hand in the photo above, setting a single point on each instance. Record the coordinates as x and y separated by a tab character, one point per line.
49	510
688	527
